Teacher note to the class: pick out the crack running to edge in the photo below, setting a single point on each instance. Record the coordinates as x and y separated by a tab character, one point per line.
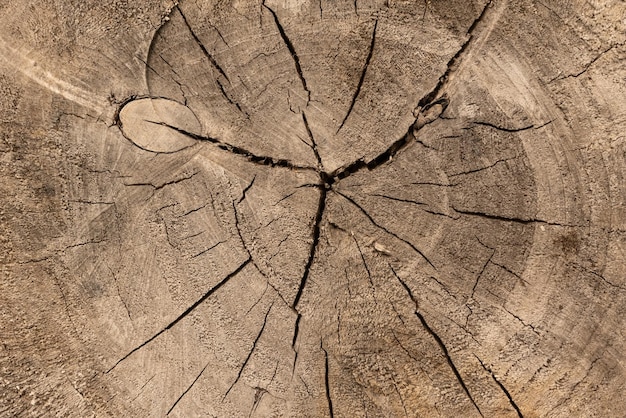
327	381
438	340
291	49
202	47
502	387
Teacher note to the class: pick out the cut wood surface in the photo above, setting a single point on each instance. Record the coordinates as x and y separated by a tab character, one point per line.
313	208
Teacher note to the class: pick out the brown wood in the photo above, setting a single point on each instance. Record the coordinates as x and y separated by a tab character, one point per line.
313	208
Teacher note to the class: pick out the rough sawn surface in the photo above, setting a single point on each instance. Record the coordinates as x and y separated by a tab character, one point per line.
313	208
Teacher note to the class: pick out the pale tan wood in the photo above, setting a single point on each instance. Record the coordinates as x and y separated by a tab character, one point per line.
313	208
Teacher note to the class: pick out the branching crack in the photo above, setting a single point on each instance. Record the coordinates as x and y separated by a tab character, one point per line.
291	49
376	224
187	311
202	47
502	387
360	84
437	339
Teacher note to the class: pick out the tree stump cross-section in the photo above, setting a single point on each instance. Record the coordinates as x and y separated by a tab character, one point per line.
314	208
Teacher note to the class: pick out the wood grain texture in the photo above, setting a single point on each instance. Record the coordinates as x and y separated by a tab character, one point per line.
313	208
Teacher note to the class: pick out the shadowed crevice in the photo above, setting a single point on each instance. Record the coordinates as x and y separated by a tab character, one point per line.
257	159
202	47
292	50
438	340
360	84
502	387
187	311
307	268
327	381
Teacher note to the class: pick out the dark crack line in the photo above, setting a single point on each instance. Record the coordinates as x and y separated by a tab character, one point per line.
501	128
439	341
119	294
586	66
427	101
369	217
254	343
291	49
313	143
316	235
187	311
476	170
162	185
233	149
480	274
397	199
360	84
186	390
247	188
228	98
327	381
454	62
502	387
208	249
523	221
444	349
202	47
307	268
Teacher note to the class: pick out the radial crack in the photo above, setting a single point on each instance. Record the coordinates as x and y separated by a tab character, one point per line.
245	362
454	62
446	353
428	100
186	390
233	149
316	235
439	341
186	312
502	387
313	143
376	224
307	268
291	49
202	47
360	84
327	381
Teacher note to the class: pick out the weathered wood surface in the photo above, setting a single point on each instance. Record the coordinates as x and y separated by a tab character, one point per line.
313	208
